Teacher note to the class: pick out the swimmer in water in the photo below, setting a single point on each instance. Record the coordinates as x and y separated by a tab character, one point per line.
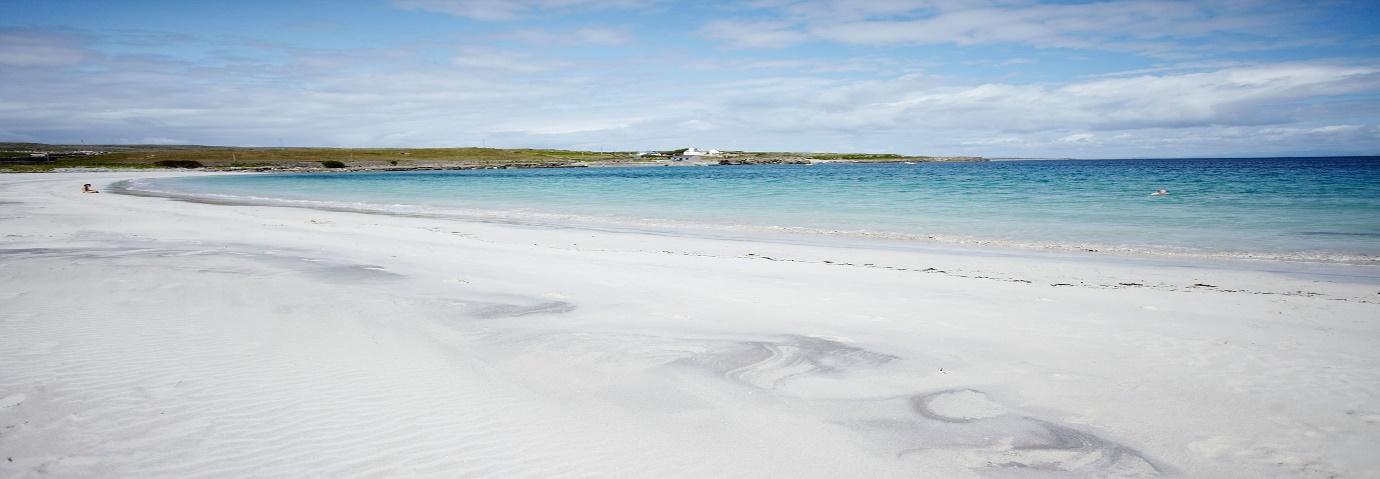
1161	192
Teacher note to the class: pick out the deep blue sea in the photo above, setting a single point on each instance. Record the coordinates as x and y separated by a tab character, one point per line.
1308	209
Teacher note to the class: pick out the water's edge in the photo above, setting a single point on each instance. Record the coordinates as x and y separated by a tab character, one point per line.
818	237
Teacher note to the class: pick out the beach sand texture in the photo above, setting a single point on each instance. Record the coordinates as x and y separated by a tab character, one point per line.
147	337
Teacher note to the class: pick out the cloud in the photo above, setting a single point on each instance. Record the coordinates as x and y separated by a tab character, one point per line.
479	94
1255	95
161	141
1078	138
497	10
920	113
750	34
481	58
1213	141
602	36
35	48
1163	28
1149	115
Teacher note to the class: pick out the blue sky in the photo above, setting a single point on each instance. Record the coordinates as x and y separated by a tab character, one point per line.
991	78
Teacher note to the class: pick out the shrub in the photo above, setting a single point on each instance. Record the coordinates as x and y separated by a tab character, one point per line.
178	163
393	162
332	164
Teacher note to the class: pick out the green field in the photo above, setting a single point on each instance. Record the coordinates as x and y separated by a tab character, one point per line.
148	156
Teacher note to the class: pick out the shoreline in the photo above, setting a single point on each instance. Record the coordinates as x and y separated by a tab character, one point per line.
789	233
258	340
1361	273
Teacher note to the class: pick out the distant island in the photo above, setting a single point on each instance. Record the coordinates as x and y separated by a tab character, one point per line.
37	157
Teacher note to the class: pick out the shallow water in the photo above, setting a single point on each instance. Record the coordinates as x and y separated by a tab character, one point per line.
1324	209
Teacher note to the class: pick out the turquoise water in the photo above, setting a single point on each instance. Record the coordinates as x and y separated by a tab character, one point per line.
1286	208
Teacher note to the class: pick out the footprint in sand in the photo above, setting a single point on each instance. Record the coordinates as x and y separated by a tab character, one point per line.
12	401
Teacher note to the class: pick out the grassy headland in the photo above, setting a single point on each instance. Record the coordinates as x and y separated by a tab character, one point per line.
24	157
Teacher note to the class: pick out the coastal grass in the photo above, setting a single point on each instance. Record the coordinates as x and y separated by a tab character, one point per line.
155	156
179	164
14	157
860	156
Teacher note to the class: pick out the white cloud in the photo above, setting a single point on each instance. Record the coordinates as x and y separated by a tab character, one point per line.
813	66
581	36
495	10
1154	27
1238	96
1149	115
749	34
602	36
156	140
480	58
1330	129
27	48
1078	138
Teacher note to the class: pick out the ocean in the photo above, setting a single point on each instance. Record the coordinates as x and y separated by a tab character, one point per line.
1297	209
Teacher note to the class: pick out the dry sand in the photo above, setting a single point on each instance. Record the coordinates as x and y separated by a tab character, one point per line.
147	337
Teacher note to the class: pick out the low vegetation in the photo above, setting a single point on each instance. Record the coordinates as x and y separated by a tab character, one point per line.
18	157
163	156
178	163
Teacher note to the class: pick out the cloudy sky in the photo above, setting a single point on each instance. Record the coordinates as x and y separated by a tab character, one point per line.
991	78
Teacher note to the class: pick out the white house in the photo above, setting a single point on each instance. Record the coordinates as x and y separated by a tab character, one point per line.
691	154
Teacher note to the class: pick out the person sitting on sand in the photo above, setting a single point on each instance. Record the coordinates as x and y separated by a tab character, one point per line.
1161	192
86	188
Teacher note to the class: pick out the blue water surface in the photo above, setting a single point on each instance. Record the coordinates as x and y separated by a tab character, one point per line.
1292	208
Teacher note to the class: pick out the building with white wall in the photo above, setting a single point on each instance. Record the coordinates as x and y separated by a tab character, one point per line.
692	154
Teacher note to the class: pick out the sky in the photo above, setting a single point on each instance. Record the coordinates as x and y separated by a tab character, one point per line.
1101	79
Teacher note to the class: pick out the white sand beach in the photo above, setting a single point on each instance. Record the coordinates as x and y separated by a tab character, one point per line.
150	337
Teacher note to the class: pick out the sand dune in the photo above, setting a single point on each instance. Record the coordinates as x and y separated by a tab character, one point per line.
145	337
